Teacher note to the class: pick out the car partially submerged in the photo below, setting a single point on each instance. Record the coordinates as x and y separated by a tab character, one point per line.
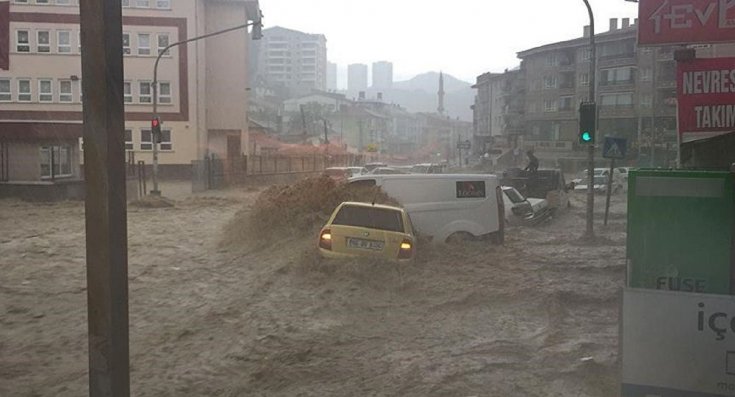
364	229
522	210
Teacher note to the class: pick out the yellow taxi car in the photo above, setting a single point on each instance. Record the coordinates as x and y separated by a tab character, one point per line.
364	229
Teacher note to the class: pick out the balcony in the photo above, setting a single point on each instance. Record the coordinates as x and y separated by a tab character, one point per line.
617	111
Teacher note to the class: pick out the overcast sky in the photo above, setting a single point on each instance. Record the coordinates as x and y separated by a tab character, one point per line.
462	37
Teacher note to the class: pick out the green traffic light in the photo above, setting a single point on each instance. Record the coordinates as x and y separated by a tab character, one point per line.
586	137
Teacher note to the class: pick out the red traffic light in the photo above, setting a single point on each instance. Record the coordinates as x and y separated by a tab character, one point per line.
155	122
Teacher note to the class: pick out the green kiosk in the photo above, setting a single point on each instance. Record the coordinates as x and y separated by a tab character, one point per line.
681	229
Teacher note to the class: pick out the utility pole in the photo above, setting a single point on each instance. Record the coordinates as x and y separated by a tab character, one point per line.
105	207
590	233
257	35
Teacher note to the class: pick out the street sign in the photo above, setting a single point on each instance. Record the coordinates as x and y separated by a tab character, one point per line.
704	94
614	148
665	22
677	344
466	145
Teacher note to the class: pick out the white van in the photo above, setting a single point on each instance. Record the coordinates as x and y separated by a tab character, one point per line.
447	206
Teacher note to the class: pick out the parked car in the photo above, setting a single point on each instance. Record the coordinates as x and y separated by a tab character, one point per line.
618	175
600	185
427	168
447	206
339	174
387	171
363	229
371	166
356	171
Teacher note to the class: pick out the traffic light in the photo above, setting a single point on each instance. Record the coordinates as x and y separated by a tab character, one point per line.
587	121
156	129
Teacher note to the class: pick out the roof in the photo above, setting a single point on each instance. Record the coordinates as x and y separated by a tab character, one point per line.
369	205
611	35
276	29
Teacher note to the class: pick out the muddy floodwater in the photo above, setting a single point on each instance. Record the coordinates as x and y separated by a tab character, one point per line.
535	317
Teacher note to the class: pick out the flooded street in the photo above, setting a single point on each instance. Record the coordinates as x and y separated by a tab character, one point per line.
536	317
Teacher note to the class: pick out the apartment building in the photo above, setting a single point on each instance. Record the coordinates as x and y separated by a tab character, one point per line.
202	99
357	78
382	76
498	110
292	60
636	95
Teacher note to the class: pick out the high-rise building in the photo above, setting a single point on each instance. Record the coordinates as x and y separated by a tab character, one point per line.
292	59
382	75
201	99
357	78
331	76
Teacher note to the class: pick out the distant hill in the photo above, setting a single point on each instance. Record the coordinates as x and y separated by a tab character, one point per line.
429	82
419	94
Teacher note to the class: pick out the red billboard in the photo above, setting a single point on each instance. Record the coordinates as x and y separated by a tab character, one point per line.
685	21
706	97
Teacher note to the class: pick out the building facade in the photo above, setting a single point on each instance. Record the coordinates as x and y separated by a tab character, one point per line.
357	78
382	76
202	100
635	93
331	76
498	110
291	59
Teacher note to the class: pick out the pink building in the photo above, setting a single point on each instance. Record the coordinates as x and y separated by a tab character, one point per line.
202	85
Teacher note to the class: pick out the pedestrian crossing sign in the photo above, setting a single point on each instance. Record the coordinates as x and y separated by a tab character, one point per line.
614	148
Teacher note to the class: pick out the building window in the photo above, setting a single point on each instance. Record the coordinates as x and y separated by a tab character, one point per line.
646	74
126	43
550	82
616	76
22	41
550	105
620	99
5	94
584	79
65	94
144	93
45	91
646	100
63	41
144	44
41	1
129	139
21	1
24	90
565	103
43	43
146	142
63	2
166	140
164	92
127	92
163	4
163	43
56	161
79	42
585	54
143	3
125	3
552	60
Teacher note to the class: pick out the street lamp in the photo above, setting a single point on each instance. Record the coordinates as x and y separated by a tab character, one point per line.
590	233
257	34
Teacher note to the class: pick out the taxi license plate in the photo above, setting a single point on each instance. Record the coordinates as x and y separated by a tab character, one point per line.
359	243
